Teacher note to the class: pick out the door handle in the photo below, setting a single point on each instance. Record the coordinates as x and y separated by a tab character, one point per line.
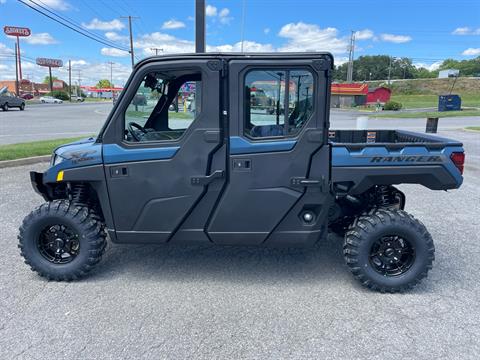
205	180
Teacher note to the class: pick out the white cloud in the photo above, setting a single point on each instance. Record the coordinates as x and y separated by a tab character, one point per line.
113	36
5	50
224	12
471	52
79	62
173	24
397	39
211	10
3	2
248	46
363	34
96	24
461	31
429	67
40	39
266	31
466	31
310	37
57	4
114	52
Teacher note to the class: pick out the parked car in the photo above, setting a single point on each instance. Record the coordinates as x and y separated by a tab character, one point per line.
50	100
27	96
78	99
9	100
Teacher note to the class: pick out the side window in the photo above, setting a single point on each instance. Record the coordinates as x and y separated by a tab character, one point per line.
164	107
267	97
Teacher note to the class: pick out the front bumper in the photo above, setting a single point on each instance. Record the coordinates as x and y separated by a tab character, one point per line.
37	183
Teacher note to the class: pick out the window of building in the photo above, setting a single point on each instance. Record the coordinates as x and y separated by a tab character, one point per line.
164	107
267	97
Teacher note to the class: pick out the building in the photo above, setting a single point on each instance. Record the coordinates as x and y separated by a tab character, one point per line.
107	93
29	87
381	94
443	74
348	95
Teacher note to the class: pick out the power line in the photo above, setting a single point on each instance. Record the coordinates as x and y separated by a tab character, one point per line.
70	27
68	20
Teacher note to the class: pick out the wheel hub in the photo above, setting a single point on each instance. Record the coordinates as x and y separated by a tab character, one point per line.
392	255
58	244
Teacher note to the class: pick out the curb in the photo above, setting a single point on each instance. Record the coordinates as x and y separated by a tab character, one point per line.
24	161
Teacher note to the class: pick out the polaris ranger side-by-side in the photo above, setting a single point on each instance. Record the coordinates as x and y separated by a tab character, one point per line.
236	150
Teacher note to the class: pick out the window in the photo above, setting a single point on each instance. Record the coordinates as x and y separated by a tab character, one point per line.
164	107
267	97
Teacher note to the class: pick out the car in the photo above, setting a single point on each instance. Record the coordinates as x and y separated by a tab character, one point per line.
27	96
9	100
230	175
50	100
78	98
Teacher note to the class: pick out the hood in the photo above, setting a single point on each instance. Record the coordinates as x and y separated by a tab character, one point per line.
80	153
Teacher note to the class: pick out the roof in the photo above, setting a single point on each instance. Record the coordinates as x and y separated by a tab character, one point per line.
349	89
371	90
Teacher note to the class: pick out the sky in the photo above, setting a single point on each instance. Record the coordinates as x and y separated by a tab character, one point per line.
426	31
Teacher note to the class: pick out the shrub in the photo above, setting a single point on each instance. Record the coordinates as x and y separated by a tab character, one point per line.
392	105
62	95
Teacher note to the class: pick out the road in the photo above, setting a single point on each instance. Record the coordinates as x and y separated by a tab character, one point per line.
53	121
150	302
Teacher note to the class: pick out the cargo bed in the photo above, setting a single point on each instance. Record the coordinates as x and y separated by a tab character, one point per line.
363	158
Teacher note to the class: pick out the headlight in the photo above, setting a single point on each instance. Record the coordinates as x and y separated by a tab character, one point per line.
56	160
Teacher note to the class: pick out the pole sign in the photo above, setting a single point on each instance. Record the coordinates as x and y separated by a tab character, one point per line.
16	31
49	62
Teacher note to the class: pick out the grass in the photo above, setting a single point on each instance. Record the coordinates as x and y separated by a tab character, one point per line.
425	114
34	148
426	101
476	128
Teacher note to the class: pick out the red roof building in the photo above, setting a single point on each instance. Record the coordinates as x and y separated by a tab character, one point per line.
348	95
381	94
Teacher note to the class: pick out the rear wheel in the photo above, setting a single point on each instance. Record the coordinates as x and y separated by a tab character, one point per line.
62	241
22	107
5	107
388	250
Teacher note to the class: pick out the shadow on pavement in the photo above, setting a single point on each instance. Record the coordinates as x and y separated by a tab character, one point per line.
223	263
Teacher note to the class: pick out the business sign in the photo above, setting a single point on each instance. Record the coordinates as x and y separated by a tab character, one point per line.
16	31
57	84
49	62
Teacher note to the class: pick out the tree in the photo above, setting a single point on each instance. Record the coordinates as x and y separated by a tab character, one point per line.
47	79
104	84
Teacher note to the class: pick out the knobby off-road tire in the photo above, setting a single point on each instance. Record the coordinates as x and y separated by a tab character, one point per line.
388	250
62	241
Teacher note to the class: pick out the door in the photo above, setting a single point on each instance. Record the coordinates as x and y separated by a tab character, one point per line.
277	191
163	152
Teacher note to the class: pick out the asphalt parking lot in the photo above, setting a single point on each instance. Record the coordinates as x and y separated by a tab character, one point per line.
230	302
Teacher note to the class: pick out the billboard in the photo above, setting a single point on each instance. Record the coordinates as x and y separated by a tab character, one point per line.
57	84
49	62
16	31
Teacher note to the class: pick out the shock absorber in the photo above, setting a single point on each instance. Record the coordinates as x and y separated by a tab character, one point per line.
79	194
385	196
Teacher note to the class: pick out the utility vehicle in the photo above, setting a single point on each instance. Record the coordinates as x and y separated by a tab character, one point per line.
226	172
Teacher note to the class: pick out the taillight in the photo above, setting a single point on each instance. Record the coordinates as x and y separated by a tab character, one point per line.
458	159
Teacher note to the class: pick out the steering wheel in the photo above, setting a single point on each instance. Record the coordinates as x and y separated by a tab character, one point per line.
131	125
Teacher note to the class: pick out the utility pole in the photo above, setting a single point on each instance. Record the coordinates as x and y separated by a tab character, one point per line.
111	72
200	26
16	72
156	50
351	55
132	54
70	80
79	72
389	69
244	3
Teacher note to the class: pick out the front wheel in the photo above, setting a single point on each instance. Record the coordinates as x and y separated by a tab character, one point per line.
62	241
388	250
22	107
5	107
